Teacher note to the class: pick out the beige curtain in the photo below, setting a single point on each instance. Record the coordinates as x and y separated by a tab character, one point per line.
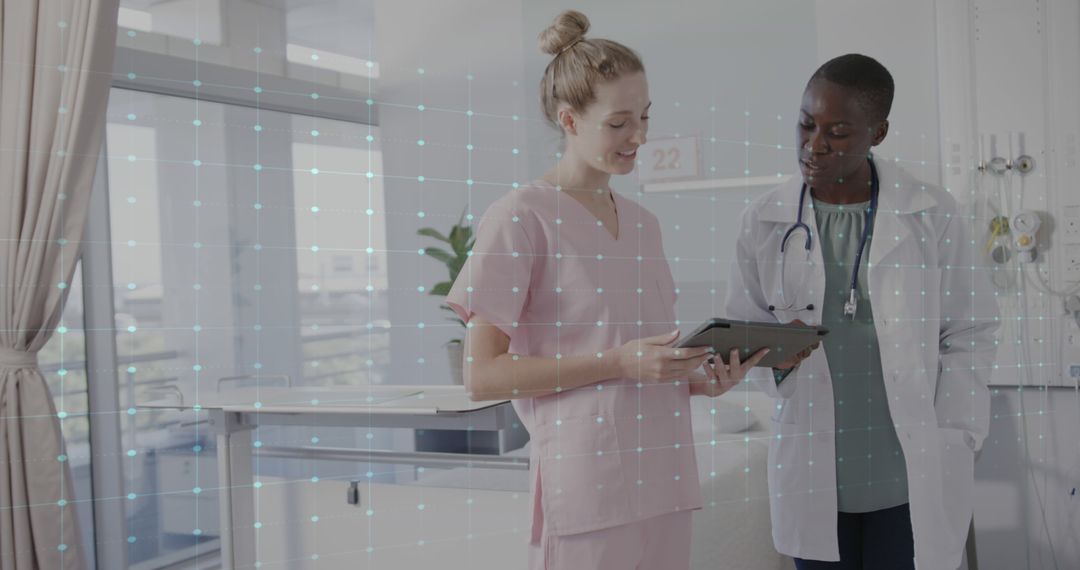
55	72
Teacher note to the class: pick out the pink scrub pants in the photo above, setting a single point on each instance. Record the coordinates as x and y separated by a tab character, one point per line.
657	543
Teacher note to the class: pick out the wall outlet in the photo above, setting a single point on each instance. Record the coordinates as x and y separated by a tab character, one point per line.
1071	259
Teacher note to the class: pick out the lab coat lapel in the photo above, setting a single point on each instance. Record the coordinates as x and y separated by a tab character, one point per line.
896	202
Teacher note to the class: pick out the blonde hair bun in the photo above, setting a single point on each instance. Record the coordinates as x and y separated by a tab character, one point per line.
568	28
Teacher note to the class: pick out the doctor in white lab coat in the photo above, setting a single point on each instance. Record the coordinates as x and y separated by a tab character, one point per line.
933	314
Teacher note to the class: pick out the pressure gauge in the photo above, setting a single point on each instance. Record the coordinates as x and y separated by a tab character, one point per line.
1025	226
1026	222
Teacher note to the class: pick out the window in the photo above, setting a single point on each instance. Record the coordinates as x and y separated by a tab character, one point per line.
248	246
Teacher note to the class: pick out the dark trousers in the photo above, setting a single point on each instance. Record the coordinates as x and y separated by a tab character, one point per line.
878	540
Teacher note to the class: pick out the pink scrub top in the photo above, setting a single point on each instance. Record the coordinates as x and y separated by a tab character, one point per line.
558	284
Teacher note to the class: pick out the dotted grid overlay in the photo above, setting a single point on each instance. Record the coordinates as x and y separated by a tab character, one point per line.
218	194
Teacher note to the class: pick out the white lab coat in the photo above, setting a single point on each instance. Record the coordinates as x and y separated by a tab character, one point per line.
935	320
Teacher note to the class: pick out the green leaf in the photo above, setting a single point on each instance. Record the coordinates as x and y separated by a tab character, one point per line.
455	318
463	243
455	268
442	289
431	233
439	254
455	235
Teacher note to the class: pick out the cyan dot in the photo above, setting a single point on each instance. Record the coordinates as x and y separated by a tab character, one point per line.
131	496
131	540
131	116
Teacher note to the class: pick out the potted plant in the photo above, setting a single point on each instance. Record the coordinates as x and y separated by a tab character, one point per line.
460	241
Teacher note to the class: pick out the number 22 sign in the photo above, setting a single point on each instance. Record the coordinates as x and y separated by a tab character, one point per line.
668	159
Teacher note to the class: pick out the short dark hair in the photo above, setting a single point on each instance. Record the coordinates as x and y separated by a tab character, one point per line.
872	83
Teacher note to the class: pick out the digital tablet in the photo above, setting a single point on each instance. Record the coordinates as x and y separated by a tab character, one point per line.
783	341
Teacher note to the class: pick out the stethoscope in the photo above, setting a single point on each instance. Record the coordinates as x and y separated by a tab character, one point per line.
852	304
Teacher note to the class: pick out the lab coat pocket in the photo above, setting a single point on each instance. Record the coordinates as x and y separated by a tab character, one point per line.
580	475
791	477
957	479
786	316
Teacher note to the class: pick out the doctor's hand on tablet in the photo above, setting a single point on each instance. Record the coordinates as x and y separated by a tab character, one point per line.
720	377
801	356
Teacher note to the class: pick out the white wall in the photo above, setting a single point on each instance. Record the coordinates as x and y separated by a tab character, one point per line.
901	35
1011	70
450	42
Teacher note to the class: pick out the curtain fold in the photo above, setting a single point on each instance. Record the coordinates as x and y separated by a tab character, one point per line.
55	71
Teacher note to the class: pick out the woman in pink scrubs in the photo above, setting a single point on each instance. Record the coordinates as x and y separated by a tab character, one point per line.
570	306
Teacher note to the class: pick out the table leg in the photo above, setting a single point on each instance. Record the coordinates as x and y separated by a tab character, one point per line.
237	497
